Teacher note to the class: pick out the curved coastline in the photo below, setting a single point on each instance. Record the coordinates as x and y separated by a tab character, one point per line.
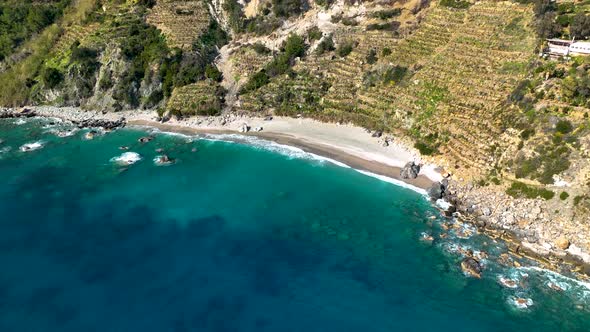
346	144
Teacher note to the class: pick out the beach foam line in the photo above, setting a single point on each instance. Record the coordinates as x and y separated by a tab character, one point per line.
283	149
553	276
395	182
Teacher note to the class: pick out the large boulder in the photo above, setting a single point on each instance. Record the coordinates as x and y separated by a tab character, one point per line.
471	266
439	190
410	171
562	243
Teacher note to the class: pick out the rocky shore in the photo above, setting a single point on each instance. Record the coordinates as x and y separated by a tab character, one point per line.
532	227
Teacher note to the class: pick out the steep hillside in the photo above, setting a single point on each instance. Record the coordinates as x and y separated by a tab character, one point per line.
462	81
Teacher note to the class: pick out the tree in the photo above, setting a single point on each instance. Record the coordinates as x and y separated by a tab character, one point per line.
580	28
547	27
372	56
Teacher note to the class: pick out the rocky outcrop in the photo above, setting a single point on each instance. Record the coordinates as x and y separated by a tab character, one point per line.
10	113
101	123
410	171
471	266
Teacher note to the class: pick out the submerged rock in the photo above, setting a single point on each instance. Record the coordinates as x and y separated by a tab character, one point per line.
471	266
145	139
163	160
410	171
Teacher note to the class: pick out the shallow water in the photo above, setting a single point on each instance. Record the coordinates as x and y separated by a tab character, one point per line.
238	237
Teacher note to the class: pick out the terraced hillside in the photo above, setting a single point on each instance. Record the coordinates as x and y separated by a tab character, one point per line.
181	21
443	83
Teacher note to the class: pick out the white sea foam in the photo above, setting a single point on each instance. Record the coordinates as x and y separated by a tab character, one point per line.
520	302
508	282
557	279
20	121
158	161
289	151
127	158
31	146
66	133
395	181
441	203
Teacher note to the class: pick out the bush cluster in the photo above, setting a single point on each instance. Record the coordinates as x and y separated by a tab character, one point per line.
294	47
19	20
521	190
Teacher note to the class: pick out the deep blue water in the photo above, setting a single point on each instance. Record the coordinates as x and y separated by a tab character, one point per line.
238	237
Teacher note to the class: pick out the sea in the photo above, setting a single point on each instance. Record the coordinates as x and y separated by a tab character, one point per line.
99	233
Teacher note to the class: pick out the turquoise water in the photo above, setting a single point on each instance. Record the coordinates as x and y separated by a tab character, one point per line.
238	237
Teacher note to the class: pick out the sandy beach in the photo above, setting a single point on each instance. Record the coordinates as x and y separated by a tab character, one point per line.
353	146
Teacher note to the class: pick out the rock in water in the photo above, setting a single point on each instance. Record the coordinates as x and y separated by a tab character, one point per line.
410	171
471	266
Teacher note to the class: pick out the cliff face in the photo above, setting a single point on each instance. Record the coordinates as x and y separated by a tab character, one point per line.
462	80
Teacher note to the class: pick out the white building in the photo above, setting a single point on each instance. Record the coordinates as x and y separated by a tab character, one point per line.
561	47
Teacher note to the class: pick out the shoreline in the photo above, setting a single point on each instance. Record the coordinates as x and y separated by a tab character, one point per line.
421	183
350	145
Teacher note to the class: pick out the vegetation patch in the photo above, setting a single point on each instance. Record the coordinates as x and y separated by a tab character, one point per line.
294	47
19	20
521	190
387	13
459	4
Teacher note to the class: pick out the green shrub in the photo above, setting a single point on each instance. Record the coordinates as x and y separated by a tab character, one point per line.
314	33
324	3
294	47
564	195
387	13
212	73
521	190
385	51
287	8
580	26
425	148
349	21
459	4
372	56
52	77
326	45
564	127
390	26
20	20
234	14
344	48
261	49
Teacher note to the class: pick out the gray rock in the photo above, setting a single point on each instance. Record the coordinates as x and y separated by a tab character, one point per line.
410	171
245	128
486	212
436	191
471	266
